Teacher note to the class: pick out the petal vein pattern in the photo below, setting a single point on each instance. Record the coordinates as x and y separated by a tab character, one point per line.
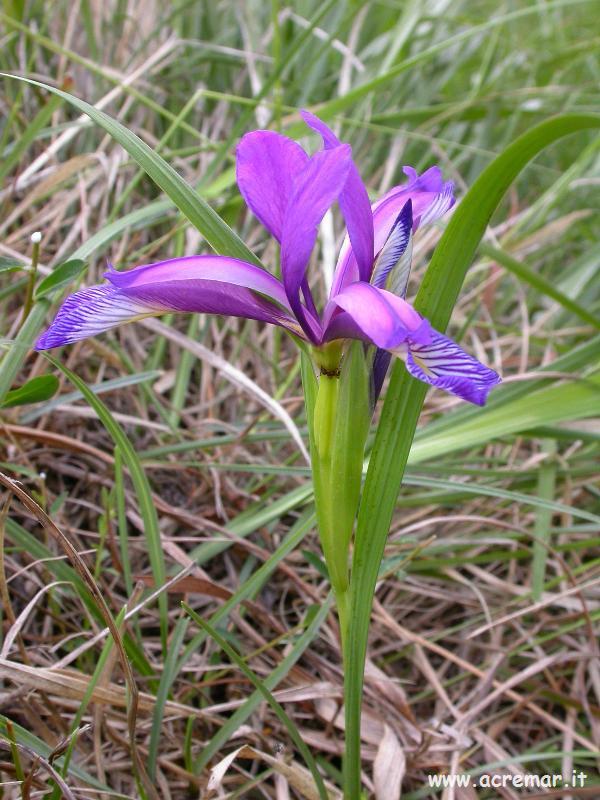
290	192
442	363
90	312
392	266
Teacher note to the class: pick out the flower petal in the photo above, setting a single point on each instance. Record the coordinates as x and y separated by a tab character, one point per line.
392	271
430	198
267	165
392	267
315	190
355	206
429	181
207	268
375	316
90	312
184	285
444	364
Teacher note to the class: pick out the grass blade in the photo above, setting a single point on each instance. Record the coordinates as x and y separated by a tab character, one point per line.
578	399
141	485
266	694
249	588
270	682
543	520
528	275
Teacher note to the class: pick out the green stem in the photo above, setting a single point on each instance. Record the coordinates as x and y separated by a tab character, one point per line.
336	555
36	238
342	600
325	410
351	781
352	751
323	429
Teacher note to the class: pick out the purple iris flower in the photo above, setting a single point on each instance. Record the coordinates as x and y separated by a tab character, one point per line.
290	192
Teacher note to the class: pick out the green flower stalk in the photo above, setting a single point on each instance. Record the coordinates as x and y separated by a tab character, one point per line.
339	425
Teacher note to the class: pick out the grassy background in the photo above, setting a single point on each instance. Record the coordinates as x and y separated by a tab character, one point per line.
483	652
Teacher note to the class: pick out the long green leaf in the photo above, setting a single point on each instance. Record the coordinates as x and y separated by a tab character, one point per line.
13	359
338	104
216	232
436	298
29	135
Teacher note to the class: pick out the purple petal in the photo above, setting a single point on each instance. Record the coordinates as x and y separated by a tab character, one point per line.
210	297
392	271
207	268
375	316
355	206
315	189
267	165
392	267
198	284
330	140
444	364
90	312
430	181
442	202
430	198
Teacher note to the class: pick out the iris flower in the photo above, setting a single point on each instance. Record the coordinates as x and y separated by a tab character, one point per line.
290	192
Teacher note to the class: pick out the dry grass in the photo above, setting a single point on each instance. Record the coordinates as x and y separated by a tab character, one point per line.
466	670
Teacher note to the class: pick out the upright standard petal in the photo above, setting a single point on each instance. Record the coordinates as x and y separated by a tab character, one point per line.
444	364
391	271
392	267
356	209
430	198
211	285
315	190
267	164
